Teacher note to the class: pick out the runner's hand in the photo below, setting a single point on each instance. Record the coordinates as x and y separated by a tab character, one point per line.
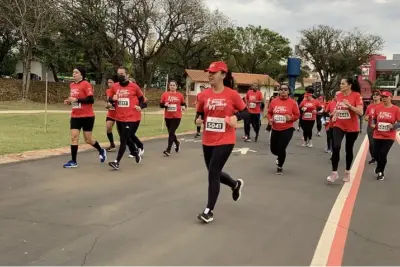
138	108
67	102
199	121
72	99
373	126
288	117
366	118
115	98
231	121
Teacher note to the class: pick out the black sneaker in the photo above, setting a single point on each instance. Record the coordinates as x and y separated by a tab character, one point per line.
279	171
256	139
110	148
138	157
114	165
209	217
237	192
372	161
376	171
380	177
197	135
248	139
166	153
177	147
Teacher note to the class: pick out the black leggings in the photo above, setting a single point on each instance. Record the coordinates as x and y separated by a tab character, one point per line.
370	133
172	126
381	150
127	131
329	139
307	129
247	123
319	122
215	158
338	135
279	142
255	123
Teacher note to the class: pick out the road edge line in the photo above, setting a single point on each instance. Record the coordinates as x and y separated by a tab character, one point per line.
330	248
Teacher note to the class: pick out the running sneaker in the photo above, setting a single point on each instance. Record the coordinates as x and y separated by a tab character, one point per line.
111	148
346	177
70	164
177	147
114	165
256	139
244	137
309	144
327	150
197	135
206	217
380	177
138	157
248	139
167	153
103	155
333	177
376	171
279	171
304	144
372	161
319	134
141	151
277	162
237	191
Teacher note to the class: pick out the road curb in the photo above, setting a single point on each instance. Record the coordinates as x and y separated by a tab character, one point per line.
46	153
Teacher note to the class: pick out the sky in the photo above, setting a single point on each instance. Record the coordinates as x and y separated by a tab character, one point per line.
288	17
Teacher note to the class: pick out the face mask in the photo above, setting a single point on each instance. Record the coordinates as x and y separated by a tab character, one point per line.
121	78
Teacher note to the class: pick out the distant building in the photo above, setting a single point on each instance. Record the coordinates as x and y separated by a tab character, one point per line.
243	81
38	71
382	73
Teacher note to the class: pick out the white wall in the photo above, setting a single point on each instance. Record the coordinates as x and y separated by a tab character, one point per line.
37	68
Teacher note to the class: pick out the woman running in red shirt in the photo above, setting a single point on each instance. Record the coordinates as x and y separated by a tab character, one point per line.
282	113
309	106
128	101
369	113
215	109
386	120
172	102
82	115
345	123
110	118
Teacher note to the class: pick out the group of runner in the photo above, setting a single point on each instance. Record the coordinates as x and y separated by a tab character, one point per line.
218	110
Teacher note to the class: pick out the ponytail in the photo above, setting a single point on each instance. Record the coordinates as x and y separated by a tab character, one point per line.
355	85
228	80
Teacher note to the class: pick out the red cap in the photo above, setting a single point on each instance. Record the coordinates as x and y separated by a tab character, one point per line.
386	93
376	91
307	94
217	66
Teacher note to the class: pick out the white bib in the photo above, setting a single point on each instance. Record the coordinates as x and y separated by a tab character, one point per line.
307	115
279	118
383	126
76	105
172	107
123	102
343	114
252	105
214	124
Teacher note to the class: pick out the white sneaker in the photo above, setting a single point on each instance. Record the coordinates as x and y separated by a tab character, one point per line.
333	177
309	144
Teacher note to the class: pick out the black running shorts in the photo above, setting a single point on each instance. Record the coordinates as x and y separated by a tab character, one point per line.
86	124
110	119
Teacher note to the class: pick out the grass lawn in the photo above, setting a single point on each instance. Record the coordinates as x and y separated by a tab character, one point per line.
24	132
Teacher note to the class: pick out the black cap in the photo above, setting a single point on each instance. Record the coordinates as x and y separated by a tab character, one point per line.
82	70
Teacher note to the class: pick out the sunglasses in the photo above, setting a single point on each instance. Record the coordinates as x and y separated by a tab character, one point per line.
376	94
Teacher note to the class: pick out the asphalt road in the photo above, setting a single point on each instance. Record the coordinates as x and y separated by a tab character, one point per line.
145	214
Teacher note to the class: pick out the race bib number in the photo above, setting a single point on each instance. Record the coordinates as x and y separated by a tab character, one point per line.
76	105
215	124
343	114
123	102
383	127
252	105
308	115
172	108
279	118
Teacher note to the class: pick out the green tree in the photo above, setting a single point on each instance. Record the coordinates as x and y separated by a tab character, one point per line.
335	53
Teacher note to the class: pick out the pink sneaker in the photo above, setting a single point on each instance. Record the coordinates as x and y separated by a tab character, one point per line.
346	177
333	177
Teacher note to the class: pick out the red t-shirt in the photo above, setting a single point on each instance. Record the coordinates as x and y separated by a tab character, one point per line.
216	107
81	90
174	101
344	118
111	110
251	98
385	116
330	108
128	98
277	110
370	112
310	106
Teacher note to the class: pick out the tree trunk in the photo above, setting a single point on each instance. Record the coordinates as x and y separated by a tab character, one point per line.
28	72
54	71
23	78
